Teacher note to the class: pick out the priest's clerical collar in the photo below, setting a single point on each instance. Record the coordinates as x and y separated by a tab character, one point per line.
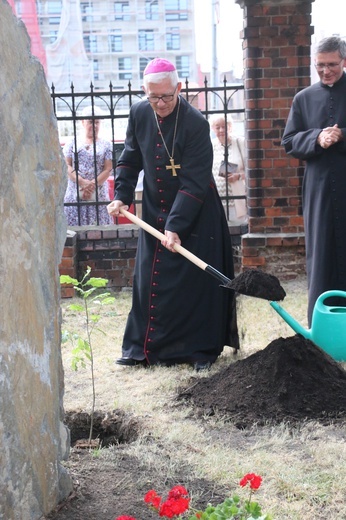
340	80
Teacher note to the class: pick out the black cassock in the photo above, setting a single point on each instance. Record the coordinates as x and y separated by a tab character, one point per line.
179	314
324	185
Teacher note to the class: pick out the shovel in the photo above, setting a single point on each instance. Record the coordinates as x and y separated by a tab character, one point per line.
250	283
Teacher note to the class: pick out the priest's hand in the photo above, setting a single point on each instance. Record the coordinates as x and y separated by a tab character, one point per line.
171	239
114	207
329	136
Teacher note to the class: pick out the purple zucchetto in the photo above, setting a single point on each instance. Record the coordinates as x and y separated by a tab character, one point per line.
158	65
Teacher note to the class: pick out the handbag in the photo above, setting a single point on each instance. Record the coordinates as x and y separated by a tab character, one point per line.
231	168
239	189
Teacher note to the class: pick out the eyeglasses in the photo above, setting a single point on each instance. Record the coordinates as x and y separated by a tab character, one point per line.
166	98
330	66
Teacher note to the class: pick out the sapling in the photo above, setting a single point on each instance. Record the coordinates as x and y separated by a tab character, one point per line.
82	353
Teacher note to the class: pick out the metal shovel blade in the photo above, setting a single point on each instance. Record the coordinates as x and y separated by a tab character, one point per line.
259	284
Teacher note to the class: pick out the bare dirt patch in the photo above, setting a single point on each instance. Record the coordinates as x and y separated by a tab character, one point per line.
109	428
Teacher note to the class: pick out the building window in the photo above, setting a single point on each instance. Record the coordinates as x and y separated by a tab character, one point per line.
54	20
18	6
151	10
96	69
125	66
183	66
143	62
146	40
86	10
53	36
54	7
90	42
122	11
173	39
176	10
115	42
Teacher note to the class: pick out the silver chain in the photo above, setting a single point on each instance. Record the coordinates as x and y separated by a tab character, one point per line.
171	157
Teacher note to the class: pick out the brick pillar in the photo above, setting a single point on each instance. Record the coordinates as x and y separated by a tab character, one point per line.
68	263
276	51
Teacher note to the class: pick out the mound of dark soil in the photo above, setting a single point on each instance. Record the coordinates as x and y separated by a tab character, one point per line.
290	380
254	282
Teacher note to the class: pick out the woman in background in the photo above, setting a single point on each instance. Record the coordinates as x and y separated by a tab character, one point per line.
230	181
93	158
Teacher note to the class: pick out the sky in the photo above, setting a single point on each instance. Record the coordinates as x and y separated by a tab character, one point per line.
328	17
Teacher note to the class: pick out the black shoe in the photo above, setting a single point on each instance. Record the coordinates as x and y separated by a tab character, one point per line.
202	365
130	362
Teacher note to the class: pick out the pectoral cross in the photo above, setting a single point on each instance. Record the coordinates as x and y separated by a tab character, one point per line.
173	167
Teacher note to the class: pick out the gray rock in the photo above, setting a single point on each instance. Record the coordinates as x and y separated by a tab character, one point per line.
33	180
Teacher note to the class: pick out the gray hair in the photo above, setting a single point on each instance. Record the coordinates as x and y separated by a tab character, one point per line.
332	44
220	117
157	77
89	111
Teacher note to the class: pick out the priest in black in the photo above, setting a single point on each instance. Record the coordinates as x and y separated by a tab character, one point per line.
316	133
179	313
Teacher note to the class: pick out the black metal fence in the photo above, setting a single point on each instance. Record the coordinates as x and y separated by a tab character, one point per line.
112	108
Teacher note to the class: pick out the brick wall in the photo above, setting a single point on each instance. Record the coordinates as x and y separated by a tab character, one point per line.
277	39
110	252
281	254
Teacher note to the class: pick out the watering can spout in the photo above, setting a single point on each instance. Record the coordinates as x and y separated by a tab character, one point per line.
328	324
297	327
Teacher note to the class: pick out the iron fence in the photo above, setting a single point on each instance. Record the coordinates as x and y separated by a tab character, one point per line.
112	108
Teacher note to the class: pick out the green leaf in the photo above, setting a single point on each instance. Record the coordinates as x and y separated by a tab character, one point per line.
255	509
83	344
97	282
76	307
108	299
87	355
65	336
103	298
74	364
86	293
102	331
65	278
77	360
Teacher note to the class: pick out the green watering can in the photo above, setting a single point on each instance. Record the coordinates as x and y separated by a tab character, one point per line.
328	325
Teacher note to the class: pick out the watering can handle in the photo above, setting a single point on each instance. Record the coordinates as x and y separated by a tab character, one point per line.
331	294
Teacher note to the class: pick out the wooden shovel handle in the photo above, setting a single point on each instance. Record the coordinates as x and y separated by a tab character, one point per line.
160	236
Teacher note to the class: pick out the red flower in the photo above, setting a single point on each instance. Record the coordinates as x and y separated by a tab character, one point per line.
152	498
125	518
176	503
178	492
254	480
174	507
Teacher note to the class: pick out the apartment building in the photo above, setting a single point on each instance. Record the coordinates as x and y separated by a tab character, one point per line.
109	41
